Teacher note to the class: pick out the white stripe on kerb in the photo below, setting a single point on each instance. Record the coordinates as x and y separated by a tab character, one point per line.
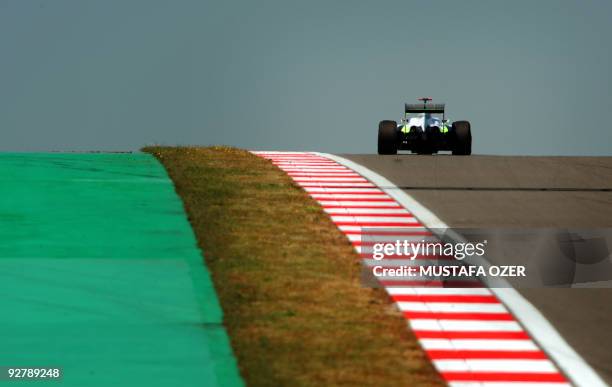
440	291
464	325
341	197
451	307
479	344
366	190
328	179
508	384
315	170
351	203
374	219
361	211
545	366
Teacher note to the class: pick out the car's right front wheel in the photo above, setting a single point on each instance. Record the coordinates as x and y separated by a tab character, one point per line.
387	137
462	138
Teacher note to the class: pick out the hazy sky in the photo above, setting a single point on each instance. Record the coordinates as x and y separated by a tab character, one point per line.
533	77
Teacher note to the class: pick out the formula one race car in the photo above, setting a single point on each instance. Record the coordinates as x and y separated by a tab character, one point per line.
425	132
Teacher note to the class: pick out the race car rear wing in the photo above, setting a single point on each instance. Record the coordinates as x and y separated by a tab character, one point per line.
424	108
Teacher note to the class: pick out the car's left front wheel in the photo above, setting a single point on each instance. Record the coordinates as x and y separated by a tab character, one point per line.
387	137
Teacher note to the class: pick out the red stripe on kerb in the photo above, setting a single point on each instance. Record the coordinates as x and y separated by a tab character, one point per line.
391	233
295	161
444	298
326	174
333	179
330	186
480	354
340	200
459	316
435	284
429	284
335	185
354	213
503	376
373	193
334	206
375	215
309	184
403	257
376	224
303	164
290	157
494	335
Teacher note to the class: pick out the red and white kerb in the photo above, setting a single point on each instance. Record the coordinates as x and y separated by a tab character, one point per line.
469	335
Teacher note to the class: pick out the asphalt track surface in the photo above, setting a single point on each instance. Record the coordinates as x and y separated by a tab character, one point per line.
503	191
470	336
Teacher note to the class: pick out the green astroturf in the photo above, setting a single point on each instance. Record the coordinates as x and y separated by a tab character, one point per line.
100	274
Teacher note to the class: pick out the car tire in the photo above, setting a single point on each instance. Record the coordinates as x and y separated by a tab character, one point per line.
387	137
462	138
